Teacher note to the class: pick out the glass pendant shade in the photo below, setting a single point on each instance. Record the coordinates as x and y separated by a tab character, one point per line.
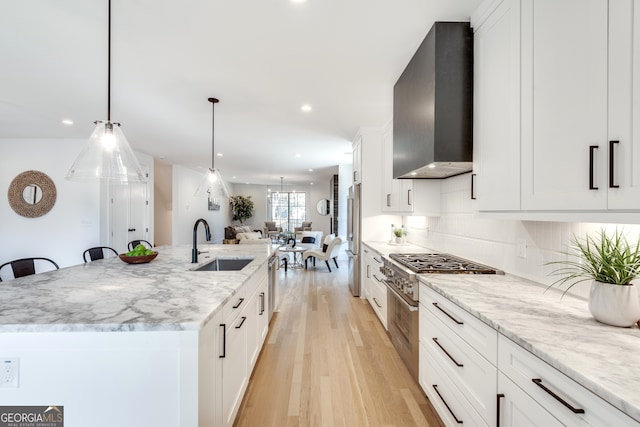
107	156
212	185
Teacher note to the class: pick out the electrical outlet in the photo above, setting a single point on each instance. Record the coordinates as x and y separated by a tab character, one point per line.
9	372
522	248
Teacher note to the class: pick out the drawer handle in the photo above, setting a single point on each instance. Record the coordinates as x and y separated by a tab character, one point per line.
376	277
241	323
538	382
612	165
460	365
224	340
498	397
435	304
376	301
435	387
377	260
239	302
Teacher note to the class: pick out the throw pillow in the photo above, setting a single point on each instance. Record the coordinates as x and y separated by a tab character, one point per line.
248	236
308	239
324	247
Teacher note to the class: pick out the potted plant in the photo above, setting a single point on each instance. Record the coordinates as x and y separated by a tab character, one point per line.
241	207
610	263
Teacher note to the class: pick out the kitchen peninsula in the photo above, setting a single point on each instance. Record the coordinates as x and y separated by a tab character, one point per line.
130	345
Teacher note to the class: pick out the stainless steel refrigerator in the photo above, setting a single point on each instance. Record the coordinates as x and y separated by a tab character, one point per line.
353	238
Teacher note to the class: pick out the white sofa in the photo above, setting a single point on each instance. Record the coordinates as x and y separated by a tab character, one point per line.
251	238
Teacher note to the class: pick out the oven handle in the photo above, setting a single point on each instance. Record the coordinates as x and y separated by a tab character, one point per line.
398	296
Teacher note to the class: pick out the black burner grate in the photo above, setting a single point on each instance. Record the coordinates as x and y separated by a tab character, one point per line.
440	263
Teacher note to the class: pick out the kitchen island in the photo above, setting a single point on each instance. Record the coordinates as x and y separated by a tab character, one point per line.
125	344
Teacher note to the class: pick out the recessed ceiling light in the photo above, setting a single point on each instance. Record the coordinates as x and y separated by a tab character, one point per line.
219	154
310	170
247	183
298	155
311	183
298	1
67	122
306	108
268	190
233	177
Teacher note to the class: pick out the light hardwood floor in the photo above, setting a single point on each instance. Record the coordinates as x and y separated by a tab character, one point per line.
327	361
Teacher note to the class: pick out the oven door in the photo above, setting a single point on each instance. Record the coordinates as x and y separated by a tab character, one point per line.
402	323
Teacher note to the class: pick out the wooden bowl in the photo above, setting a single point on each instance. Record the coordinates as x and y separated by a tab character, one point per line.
138	259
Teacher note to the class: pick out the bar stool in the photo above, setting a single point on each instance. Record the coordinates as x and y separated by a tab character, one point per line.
132	244
26	266
97	253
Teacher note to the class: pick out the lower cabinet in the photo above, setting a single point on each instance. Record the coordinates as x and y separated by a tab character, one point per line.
475	376
243	330
375	291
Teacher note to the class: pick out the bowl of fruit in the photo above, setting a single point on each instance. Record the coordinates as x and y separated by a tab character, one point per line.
139	255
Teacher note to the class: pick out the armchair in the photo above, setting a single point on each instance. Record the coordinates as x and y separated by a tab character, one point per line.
271	230
331	252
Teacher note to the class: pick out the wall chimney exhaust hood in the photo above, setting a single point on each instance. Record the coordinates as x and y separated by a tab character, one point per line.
433	106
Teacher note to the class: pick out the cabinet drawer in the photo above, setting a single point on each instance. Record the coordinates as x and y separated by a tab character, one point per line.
235	305
450	404
473	331
378	298
472	374
523	367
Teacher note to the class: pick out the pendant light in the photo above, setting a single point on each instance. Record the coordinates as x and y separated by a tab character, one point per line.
107	155
212	183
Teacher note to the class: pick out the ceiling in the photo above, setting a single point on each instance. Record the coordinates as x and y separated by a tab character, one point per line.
263	59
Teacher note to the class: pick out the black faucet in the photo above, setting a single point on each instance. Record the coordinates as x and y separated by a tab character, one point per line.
207	232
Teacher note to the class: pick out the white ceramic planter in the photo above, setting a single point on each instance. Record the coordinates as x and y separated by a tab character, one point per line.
617	305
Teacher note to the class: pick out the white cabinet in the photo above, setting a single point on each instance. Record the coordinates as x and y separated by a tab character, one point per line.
244	327
376	290
517	409
357	160
577	99
397	195
458	358
556	122
564	399
564	104
496	111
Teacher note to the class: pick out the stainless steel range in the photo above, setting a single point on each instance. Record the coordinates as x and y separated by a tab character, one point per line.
403	295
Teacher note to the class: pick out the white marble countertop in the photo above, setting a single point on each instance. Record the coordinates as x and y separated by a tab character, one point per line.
559	330
110	295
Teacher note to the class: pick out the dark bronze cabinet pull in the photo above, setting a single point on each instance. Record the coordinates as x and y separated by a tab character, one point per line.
409	198
435	304
241	323
435	387
498	397
261	303
612	165
592	154
538	382
460	365
224	340
376	301
239	302
473	190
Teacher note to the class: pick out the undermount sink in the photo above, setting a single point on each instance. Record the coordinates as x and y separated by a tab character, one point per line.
225	264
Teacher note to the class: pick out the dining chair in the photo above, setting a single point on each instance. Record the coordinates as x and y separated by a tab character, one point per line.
97	253
132	244
27	266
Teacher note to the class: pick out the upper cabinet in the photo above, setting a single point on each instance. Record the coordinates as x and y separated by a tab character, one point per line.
496	150
564	104
556	119
398	193
357	160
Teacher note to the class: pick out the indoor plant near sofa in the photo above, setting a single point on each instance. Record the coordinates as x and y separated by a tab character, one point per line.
610	263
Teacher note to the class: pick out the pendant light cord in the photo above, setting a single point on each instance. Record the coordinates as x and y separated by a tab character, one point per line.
213	101
109	67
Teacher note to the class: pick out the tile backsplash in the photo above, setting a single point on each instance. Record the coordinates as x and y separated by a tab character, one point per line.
522	248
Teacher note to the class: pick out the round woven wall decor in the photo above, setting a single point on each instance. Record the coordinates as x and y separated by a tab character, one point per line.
16	191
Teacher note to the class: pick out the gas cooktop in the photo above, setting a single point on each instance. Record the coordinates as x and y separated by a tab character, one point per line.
440	263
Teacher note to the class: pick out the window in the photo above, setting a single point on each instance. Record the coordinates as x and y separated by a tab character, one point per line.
288	210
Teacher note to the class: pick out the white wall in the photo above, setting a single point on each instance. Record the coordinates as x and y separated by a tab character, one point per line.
73	224
494	241
187	208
